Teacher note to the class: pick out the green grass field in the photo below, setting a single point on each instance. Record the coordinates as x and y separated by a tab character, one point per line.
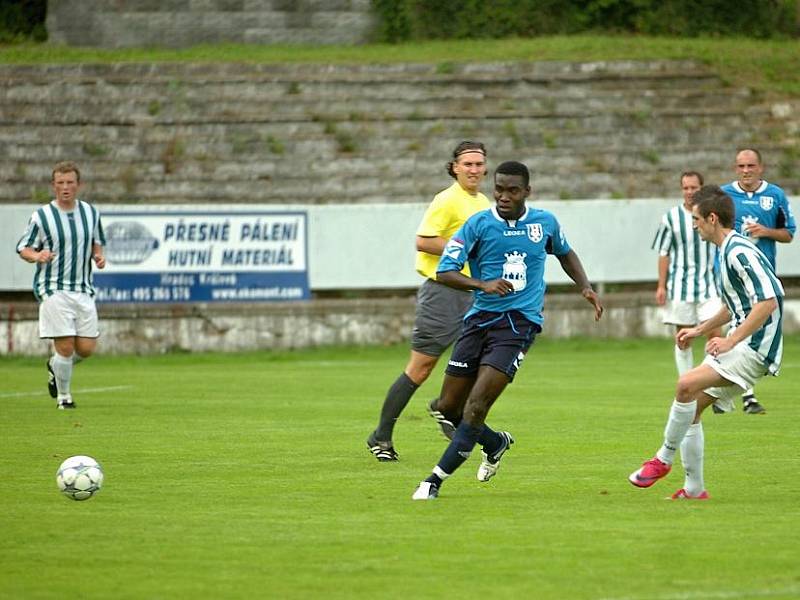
247	476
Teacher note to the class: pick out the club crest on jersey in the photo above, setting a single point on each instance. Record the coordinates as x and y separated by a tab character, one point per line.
515	270
534	232
766	202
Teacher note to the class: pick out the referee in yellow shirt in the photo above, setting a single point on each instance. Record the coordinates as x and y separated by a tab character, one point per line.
440	309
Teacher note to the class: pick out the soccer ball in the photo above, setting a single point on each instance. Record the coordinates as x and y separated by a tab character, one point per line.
79	477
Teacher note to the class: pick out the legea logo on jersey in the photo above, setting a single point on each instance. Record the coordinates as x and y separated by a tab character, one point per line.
767	202
129	243
515	271
534	232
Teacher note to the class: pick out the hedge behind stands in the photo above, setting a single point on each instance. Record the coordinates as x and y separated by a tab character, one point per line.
22	20
401	20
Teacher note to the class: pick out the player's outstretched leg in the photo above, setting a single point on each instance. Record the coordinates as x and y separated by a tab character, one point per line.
492	453
681	415
458	451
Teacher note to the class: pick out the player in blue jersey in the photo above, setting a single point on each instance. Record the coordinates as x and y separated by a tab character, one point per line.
753	303
762	214
62	239
440	309
506	247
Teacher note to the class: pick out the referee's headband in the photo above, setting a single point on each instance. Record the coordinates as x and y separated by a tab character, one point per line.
467	146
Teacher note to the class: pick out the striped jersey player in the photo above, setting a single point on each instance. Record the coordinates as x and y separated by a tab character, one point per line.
63	239
685	286
753	303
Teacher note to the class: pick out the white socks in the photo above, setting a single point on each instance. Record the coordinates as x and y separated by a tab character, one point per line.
62	369
692	458
684	359
680	418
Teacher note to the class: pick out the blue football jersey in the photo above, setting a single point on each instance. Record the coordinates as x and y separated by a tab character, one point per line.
767	206
513	250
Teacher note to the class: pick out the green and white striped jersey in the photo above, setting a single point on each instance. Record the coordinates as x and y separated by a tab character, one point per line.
70	236
746	278
691	260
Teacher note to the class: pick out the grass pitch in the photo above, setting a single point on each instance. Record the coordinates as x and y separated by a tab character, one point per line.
247	476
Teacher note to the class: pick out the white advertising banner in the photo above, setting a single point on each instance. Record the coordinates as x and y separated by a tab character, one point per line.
204	256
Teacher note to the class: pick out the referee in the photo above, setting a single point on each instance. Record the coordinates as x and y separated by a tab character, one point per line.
440	309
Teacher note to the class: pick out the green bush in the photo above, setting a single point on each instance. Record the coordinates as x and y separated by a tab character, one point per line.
401	20
22	20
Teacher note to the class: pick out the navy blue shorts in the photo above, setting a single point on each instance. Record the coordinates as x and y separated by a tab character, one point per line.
499	340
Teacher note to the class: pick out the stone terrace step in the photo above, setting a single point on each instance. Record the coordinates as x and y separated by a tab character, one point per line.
340	133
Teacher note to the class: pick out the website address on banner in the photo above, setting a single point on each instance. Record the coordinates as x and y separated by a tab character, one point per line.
253	293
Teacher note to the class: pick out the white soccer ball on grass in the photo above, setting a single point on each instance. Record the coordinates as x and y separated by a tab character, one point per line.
79	477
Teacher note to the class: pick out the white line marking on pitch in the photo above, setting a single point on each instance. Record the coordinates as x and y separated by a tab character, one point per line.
718	595
97	390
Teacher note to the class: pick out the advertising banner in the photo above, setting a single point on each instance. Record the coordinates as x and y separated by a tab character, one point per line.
185	256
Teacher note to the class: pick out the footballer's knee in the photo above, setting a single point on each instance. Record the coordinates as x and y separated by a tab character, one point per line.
476	410
85	347
686	389
419	367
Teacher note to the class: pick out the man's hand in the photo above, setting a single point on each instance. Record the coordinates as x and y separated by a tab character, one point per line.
499	287
684	337
716	346
661	295
755	230
99	260
593	299
45	256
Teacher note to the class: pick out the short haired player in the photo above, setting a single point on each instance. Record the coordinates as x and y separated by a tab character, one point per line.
63	239
753	303
440	309
686	286
506	247
764	215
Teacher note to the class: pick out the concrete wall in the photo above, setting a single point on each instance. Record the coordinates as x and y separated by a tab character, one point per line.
145	329
179	23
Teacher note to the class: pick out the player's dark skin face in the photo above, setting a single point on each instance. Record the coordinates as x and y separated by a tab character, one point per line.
510	193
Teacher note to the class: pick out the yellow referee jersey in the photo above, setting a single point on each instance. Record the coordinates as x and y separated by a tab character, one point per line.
445	214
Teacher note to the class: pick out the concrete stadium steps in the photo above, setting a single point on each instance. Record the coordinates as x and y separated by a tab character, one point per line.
586	175
419	137
370	133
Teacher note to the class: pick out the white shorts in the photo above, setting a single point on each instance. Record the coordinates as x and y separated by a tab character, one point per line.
691	313
742	366
66	314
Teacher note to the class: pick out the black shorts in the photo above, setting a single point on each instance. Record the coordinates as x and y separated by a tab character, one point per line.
499	340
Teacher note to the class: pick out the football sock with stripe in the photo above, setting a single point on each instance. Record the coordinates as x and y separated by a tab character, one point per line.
692	448
680	418
459	449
